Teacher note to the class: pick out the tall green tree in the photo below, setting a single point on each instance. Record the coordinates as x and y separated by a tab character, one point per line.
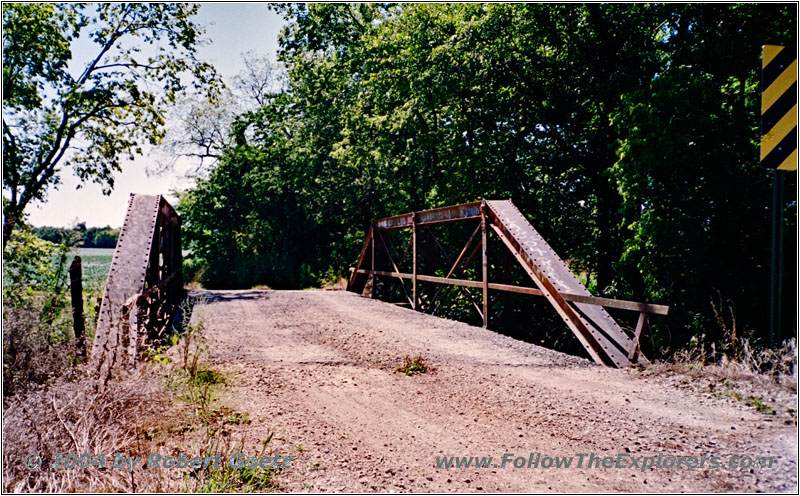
54	118
627	132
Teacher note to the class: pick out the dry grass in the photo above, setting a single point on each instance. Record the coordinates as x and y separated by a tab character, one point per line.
338	284
73	417
735	369
149	411
165	406
34	353
763	378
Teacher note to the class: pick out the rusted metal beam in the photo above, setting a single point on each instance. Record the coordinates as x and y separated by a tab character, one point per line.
590	300
544	264
414	257
449	260
567	313
372	260
354	284
434	216
405	252
643	317
436	279
144	284
485	266
466	264
634	306
605	341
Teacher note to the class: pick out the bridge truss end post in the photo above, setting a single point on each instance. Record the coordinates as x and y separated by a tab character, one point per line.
485	266
414	303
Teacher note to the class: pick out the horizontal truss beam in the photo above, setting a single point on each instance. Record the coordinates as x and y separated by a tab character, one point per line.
591	300
435	216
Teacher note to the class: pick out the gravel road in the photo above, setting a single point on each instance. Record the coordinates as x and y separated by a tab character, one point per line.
317	368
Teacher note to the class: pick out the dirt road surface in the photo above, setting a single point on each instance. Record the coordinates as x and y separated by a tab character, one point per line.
317	368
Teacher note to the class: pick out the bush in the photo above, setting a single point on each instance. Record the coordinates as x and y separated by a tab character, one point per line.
38	343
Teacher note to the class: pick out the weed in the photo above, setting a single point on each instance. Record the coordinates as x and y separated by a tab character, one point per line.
241	480
759	405
226	415
227	478
197	383
204	376
38	342
736	367
414	367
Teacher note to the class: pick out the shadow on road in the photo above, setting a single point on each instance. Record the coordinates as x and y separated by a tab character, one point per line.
217	296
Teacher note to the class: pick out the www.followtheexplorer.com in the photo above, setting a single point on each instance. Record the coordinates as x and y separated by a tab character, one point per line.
620	461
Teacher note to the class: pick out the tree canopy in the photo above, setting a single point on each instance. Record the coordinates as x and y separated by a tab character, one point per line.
89	116
628	133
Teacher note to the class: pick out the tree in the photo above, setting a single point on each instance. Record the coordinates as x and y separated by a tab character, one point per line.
199	128
53	119
198	131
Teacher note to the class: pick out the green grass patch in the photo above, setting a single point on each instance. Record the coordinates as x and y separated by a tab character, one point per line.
205	376
240	480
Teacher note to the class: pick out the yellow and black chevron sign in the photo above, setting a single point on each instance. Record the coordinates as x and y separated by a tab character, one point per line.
779	107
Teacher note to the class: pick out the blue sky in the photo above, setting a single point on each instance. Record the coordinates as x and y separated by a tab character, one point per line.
232	29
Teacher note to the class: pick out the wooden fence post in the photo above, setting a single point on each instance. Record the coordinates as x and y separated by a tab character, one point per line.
76	291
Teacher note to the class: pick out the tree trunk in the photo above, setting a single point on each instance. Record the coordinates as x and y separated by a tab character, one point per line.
9	223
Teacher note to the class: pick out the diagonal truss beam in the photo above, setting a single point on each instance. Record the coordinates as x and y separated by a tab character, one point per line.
455	265
449	260
388	254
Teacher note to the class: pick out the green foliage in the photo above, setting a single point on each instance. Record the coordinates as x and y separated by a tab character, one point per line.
413	367
243	480
29	269
54	119
38	343
627	132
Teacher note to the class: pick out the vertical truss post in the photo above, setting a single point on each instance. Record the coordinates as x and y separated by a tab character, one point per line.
414	257
640	325
372	270
485	267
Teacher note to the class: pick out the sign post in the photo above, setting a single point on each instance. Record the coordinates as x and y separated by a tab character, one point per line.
779	153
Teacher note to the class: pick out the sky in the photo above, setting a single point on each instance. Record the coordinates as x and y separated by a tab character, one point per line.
232	29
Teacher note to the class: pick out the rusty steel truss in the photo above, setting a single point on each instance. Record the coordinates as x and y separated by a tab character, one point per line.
601	336
144	285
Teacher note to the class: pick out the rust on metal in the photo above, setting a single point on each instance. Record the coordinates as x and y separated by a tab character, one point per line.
601	336
435	216
634	306
144	285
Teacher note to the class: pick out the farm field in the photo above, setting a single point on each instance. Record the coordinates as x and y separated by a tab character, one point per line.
95	264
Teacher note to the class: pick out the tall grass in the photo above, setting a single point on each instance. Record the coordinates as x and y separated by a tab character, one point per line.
166	405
